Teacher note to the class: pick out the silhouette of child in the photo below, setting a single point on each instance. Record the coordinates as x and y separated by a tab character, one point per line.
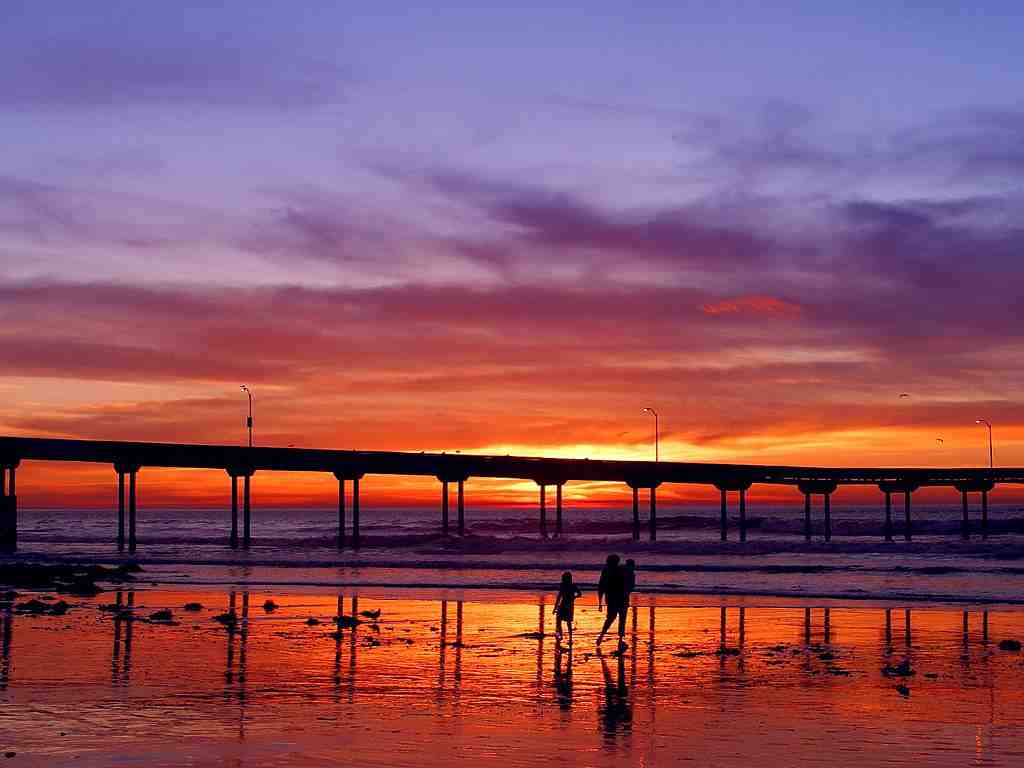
565	605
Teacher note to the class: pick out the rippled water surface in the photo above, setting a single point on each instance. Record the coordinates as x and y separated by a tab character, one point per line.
451	678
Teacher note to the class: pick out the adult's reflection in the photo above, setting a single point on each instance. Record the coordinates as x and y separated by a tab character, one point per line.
615	711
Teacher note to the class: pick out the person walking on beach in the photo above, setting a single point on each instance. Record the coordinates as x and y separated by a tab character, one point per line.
565	605
611	589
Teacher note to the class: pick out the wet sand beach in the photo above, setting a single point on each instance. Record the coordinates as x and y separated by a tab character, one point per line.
475	677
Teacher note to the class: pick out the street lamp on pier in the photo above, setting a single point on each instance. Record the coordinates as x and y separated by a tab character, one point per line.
986	422
654	413
248	421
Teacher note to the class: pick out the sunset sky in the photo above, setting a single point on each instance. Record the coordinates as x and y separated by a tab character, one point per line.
442	227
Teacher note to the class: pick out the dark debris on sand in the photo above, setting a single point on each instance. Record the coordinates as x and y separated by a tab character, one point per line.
193	607
899	670
39	608
80	580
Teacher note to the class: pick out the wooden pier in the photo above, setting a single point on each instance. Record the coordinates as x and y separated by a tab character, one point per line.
129	458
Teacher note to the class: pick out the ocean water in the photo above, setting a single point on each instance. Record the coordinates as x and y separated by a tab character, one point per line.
503	550
395	526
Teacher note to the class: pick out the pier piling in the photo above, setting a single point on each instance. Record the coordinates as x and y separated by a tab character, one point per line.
131	510
356	540
743	516
341	513
8	508
654	514
543	511
462	508
906	515
444	507
247	511
807	516
636	513
828	516
233	537
120	510
723	518
558	509
888	516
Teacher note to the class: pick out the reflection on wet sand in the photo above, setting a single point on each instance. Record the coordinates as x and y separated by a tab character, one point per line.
493	668
7	633
124	619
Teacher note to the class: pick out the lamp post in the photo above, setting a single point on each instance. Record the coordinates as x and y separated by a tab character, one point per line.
654	413
248	421
986	422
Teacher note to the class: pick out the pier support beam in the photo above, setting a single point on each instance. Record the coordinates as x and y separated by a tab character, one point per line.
898	486
974	486
132	470
341	476
637	482
460	502
8	508
890	487
825	488
740	487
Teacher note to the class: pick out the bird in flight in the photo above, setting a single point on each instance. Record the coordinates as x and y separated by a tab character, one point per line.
904	394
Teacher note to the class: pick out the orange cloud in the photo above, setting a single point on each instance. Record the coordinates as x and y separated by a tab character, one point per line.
753	305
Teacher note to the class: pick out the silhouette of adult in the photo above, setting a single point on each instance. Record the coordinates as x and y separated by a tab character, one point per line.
611	590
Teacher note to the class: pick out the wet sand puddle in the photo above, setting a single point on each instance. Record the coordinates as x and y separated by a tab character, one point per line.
441	680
